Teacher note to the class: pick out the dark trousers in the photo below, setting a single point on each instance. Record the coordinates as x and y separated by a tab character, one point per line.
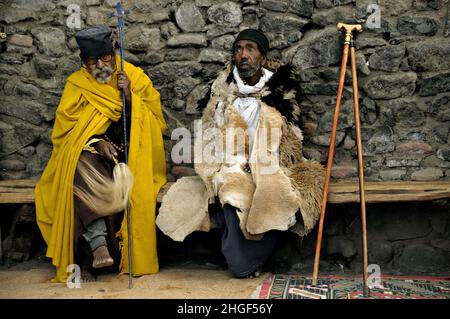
243	256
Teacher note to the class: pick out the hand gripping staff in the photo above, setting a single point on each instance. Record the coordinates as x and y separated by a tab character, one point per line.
348	42
120	13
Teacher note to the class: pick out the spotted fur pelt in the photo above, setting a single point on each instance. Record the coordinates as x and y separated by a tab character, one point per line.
281	182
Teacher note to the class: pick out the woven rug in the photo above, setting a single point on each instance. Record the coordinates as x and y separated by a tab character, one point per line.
337	287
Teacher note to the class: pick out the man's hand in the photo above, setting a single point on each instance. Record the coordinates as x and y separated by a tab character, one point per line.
123	83
106	150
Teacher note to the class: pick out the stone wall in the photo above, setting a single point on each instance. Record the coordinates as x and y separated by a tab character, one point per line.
403	68
403	238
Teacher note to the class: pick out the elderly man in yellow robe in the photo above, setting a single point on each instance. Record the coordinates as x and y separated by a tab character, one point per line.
89	129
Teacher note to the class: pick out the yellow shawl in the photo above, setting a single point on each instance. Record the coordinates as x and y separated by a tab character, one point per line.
87	108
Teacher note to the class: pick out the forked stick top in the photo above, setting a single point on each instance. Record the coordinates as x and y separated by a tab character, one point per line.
349	27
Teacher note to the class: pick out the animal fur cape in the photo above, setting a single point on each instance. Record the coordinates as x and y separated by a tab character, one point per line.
86	109
281	183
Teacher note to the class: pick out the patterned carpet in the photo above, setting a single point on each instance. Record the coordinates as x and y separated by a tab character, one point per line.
337	287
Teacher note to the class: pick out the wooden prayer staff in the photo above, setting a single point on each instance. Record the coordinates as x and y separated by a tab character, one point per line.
348	42
120	13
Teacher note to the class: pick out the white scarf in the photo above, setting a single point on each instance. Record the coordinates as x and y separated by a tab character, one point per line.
248	107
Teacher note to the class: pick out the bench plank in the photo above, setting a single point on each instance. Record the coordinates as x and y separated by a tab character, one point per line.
392	191
17	191
22	191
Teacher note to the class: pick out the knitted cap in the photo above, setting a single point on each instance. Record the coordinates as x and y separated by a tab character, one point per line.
256	36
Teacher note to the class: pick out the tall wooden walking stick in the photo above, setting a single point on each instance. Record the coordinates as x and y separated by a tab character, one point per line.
349	29
362	195
120	13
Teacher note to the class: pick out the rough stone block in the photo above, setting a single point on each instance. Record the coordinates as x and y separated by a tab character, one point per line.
340	245
403	162
426	5
189	18
427	174
281	23
45	69
141	38
324	41
187	39
334	15
390	86
182	54
324	140
415	148
35	5
380	142
226	14
418	258
440	107
21	40
429	55
380	251
344	171
443	153
12	15
303	8
51	41
418	25
392	174
387	58
275	5
214	56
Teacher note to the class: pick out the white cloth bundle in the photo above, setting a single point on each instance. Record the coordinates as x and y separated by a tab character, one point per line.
248	107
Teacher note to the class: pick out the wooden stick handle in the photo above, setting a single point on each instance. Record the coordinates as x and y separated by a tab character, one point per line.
349	28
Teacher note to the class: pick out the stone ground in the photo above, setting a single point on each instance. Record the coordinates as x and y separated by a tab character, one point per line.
193	274
194	269
192	278
187	271
32	280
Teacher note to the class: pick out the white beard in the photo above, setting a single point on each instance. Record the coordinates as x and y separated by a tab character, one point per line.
103	75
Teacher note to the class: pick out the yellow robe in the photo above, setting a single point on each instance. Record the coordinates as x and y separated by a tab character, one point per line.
87	108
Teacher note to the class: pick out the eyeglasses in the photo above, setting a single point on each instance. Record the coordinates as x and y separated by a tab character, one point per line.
104	58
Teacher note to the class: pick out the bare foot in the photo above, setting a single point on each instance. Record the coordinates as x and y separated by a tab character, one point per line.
102	258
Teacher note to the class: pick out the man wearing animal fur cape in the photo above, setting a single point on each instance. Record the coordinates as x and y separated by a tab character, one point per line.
248	157
88	131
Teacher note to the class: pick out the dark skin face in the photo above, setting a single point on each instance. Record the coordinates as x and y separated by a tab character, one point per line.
108	60
249	61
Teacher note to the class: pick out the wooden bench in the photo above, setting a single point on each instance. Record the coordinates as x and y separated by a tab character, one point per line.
22	192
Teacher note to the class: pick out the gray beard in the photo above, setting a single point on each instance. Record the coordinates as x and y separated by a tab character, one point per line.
248	73
103	75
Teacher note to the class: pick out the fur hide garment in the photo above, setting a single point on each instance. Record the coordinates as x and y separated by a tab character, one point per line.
280	183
